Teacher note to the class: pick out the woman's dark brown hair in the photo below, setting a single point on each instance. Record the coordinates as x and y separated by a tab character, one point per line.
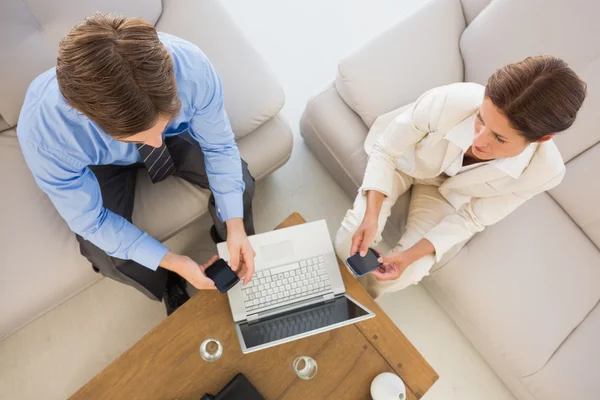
116	71
539	95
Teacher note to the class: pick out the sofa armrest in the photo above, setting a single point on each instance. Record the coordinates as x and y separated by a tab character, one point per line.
419	53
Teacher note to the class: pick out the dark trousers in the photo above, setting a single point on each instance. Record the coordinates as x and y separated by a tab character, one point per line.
117	184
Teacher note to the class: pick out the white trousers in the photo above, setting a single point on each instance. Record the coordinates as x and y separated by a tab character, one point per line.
427	209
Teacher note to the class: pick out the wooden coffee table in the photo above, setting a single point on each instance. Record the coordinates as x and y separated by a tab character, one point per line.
166	364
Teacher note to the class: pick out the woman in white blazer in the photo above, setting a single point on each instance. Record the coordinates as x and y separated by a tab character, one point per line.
472	154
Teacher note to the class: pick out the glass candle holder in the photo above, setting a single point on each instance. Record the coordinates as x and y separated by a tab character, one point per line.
305	367
211	350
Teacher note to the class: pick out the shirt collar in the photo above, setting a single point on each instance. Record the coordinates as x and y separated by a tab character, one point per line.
462	134
515	166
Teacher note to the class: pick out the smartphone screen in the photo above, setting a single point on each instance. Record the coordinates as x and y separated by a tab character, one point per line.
222	275
363	265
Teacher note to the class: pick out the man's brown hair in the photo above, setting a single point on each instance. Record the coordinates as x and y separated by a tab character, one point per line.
539	95
117	72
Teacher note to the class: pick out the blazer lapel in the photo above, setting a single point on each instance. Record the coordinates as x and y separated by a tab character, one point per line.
475	176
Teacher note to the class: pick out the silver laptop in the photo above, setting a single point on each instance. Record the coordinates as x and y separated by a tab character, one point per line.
296	291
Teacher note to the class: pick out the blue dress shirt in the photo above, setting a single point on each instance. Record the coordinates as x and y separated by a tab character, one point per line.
59	143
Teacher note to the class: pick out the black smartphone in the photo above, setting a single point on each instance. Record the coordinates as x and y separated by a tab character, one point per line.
363	265
222	275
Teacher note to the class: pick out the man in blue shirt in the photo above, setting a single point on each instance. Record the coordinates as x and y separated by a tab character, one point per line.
124	97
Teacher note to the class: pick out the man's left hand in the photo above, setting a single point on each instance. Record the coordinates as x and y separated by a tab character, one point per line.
393	265
241	252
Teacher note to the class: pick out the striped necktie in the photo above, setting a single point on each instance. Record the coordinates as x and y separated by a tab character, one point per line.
158	161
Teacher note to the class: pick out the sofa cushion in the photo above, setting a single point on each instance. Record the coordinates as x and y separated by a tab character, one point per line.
40	264
510	30
252	93
395	68
572	372
524	284
31	31
579	195
163	209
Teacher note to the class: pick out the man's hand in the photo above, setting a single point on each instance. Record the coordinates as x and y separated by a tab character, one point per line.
393	265
189	270
363	236
240	250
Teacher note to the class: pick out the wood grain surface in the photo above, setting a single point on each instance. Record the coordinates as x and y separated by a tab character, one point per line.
166	364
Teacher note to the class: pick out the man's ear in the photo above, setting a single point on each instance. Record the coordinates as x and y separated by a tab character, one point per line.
546	138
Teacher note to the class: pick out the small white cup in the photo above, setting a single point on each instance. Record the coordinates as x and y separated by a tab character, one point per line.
388	386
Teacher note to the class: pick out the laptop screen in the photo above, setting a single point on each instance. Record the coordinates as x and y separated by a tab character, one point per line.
302	321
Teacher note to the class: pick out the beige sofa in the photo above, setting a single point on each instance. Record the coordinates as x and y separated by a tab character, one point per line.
525	292
40	264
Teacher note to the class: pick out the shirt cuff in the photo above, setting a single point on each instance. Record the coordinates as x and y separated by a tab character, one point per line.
379	177
230	206
437	242
149	252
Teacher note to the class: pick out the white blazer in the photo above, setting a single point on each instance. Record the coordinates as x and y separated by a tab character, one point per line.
430	137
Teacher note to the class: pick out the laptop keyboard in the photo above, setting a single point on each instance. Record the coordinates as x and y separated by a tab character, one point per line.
278	285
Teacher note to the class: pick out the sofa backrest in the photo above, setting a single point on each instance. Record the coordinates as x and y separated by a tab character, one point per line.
31	31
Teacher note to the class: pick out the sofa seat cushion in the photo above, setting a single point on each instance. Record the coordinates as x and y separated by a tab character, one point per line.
252	93
524	284
579	195
163	209
572	372
515	30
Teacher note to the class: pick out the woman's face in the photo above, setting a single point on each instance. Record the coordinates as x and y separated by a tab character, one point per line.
494	137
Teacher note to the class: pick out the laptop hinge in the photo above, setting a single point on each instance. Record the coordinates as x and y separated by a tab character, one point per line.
252	318
328	296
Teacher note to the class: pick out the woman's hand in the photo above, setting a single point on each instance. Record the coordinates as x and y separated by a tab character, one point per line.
393	265
396	262
368	227
364	236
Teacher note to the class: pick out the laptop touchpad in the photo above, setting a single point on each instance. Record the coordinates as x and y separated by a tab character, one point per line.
275	251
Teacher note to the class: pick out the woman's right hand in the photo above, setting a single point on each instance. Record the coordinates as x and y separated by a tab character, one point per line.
364	236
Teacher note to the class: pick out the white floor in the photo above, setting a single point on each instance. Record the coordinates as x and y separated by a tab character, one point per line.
302	40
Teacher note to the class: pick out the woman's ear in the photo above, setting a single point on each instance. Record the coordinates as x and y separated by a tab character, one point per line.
546	138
